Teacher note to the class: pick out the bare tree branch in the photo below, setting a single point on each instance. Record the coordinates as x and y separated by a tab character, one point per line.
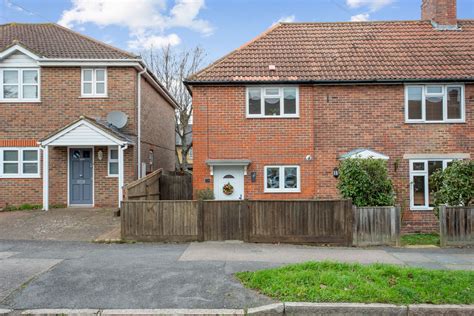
171	67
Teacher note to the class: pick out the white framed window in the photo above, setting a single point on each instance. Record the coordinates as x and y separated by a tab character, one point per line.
19	162
272	102
190	153
281	179
421	196
436	103
112	162
19	85
94	82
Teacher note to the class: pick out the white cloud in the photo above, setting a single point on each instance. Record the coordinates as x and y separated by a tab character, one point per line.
146	20
154	41
373	5
285	19
360	17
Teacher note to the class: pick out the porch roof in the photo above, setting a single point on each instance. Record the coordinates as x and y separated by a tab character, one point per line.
86	131
228	162
363	153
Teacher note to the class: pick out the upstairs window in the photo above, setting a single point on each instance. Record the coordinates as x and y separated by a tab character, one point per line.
19	85
272	102
94	82
434	103
19	163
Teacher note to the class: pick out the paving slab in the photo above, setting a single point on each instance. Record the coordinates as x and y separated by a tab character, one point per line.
222	251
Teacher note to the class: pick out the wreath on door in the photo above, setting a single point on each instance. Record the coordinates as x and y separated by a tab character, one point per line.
228	189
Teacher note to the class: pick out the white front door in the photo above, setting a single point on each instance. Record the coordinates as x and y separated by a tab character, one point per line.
229	182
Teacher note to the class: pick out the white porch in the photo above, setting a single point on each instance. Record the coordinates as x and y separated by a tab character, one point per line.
84	135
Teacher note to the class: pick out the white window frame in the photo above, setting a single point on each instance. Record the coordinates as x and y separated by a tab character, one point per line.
93	83
282	188
424	173
424	94
262	102
20	162
110	160
20	98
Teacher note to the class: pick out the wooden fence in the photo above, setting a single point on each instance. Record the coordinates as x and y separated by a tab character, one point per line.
374	226
176	187
298	221
456	226
146	188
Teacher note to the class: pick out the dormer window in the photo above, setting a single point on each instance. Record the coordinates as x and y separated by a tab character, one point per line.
94	82
19	85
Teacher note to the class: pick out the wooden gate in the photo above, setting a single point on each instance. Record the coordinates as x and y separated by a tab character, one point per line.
222	220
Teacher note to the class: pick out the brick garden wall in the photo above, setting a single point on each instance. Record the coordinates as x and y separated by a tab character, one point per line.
333	120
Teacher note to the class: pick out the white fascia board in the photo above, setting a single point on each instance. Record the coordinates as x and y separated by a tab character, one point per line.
437	156
88	63
18	48
50	140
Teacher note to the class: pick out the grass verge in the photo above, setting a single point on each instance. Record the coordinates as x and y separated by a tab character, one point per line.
420	239
356	283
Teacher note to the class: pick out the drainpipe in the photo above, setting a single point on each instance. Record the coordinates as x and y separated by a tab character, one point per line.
139	127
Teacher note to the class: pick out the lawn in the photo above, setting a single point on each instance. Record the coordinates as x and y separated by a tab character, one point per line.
377	283
420	239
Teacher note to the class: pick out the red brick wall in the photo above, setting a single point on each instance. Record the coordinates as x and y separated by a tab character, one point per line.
441	11
158	126
61	103
333	120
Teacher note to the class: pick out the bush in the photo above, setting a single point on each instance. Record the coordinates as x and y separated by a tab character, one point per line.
454	186
205	194
366	182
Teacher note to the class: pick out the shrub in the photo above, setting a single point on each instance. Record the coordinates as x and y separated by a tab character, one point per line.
366	182
205	194
454	186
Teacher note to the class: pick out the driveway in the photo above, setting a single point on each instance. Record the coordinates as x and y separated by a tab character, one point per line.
79	224
61	274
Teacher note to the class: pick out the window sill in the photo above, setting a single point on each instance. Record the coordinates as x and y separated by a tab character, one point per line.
93	97
112	176
435	122
299	191
20	101
421	208
20	177
272	117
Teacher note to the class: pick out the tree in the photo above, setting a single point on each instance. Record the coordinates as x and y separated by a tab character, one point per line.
171	67
366	182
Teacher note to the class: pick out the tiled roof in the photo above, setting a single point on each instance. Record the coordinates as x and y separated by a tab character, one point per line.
53	41
349	51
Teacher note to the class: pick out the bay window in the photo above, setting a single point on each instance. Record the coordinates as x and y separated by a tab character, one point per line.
434	103
421	196
272	102
19	163
19	85
280	179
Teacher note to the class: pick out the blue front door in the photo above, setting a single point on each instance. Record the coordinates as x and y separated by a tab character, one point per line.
80	176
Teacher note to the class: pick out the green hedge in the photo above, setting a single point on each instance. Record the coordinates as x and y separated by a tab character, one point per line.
454	186
366	182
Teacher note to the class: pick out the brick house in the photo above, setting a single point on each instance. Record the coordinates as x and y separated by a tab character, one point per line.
78	118
275	116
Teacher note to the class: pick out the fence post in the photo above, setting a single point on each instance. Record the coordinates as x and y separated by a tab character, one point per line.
396	218
349	209
200	220
442	225
355	224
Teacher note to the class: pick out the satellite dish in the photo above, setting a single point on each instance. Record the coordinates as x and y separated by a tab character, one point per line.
117	119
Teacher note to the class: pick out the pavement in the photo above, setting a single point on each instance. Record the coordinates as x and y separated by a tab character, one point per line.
78	275
73	224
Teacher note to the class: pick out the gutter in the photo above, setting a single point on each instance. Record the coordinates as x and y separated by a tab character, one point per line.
191	83
139	125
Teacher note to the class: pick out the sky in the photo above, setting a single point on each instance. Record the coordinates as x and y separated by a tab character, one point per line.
218	26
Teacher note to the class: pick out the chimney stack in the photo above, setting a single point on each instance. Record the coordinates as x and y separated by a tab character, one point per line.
440	12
